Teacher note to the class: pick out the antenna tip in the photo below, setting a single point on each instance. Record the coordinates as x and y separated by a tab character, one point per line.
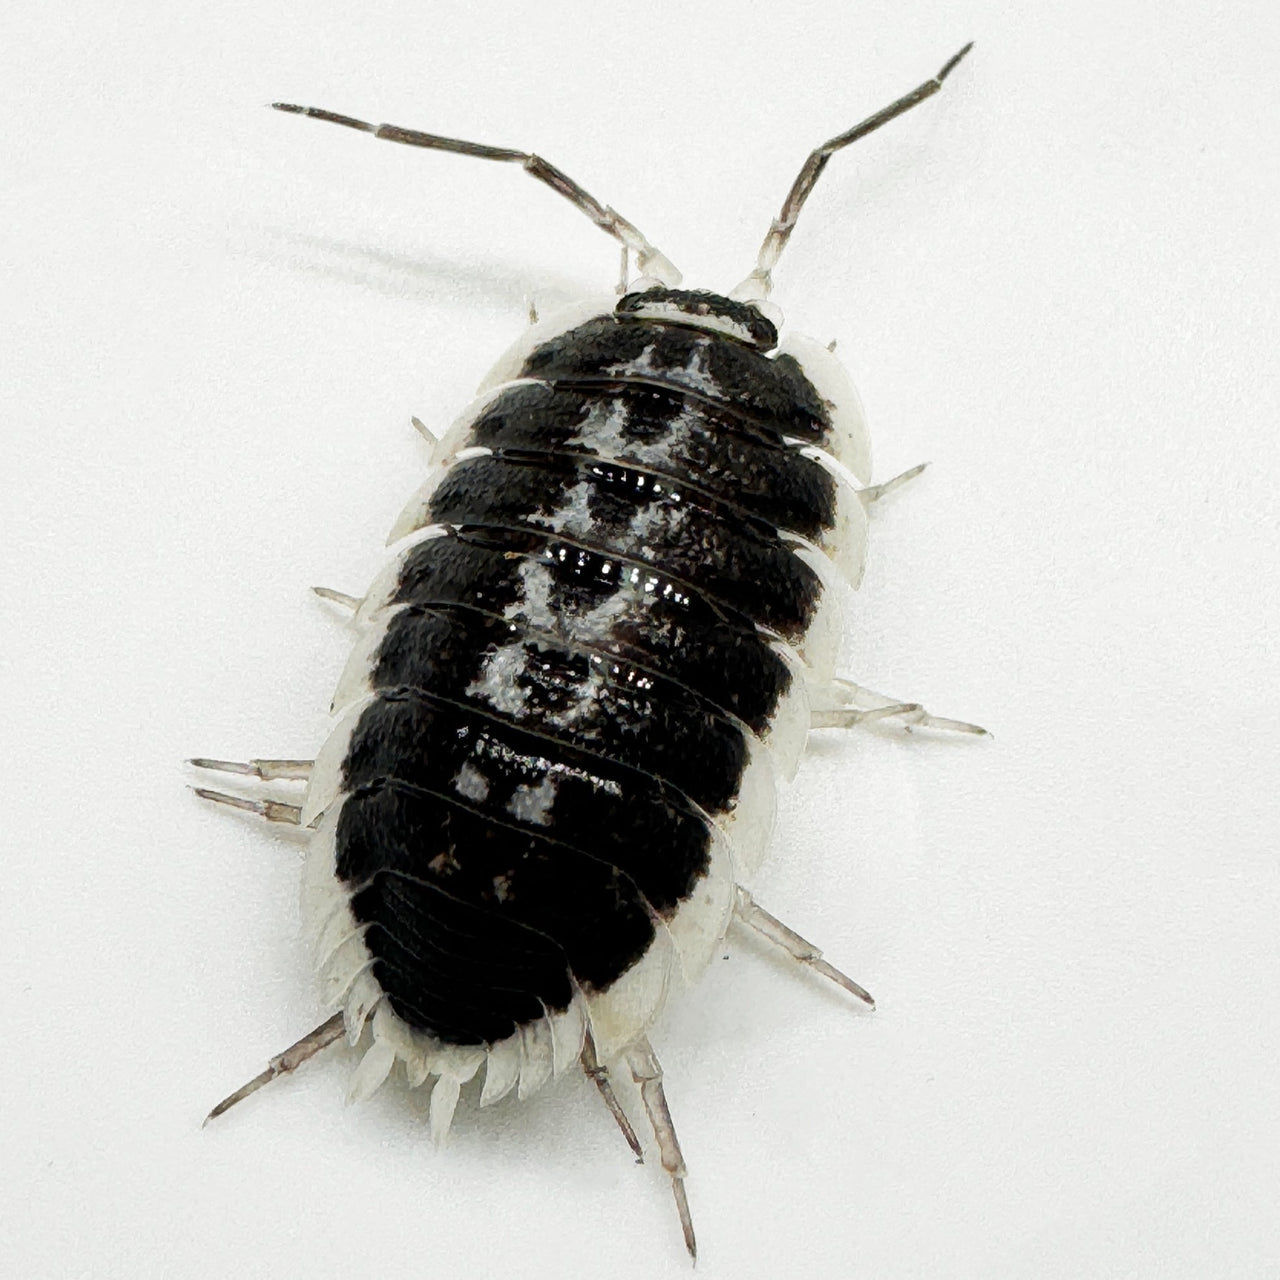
951	65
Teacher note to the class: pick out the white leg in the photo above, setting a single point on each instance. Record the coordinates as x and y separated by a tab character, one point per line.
338	597
841	704
877	491
433	437
292	1058
755	917
646	1071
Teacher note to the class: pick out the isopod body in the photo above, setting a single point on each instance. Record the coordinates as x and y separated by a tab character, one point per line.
555	755
604	632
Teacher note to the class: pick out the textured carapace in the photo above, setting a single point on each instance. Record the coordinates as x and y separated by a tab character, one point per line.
557	749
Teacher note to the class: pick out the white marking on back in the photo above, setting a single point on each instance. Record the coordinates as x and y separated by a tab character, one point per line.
471	783
695	374
499	684
603	430
574	518
533	804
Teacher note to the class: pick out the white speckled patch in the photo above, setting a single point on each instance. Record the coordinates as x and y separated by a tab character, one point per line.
574	518
533	804
470	782
499	682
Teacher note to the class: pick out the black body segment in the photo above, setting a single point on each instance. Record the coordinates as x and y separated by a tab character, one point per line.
771	392
474	761
627	511
553	587
670	434
590	910
456	970
595	703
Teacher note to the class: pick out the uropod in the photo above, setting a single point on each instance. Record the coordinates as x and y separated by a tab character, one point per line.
605	630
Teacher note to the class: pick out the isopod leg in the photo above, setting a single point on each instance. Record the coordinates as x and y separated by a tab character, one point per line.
600	1075
649	259
269	810
646	1071
290	1060
877	491
264	770
430	436
851	717
756	918
341	597
841	704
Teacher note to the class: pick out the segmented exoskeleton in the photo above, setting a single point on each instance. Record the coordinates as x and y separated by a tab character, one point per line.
603	637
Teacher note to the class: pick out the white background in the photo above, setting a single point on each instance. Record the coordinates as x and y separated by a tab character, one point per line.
1057	281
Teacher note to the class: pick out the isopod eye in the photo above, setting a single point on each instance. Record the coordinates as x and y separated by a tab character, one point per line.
746	321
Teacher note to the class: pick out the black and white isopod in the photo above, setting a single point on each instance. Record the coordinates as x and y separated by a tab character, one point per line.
603	636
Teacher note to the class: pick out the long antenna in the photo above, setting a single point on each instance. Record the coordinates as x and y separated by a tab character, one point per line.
758	284
651	261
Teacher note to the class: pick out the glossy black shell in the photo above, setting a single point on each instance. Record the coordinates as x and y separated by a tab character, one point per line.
569	685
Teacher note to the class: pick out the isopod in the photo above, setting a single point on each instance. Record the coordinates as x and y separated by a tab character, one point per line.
605	631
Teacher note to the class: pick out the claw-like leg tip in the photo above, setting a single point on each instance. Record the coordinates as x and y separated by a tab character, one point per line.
222	766
686	1220
241	1094
862	993
842	980
290	1060
955	726
221	797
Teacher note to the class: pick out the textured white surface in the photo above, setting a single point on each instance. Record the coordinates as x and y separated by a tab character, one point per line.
1057	281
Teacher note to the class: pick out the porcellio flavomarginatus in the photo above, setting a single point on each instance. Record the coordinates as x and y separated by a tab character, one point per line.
605	632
